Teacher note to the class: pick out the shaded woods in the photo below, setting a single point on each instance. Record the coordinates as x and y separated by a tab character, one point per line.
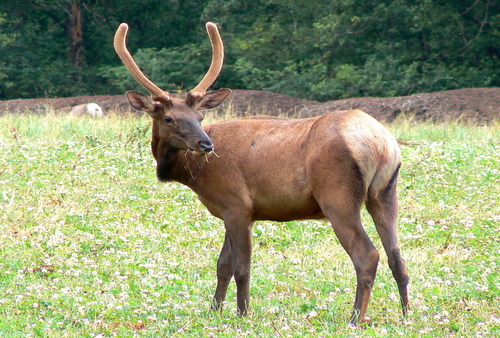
319	50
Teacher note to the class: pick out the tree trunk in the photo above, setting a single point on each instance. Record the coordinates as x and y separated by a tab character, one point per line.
76	32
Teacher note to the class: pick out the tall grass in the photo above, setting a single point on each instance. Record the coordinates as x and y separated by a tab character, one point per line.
92	245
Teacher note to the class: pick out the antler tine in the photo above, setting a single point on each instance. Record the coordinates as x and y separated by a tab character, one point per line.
129	62
217	60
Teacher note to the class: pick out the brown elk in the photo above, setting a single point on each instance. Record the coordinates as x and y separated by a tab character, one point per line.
251	169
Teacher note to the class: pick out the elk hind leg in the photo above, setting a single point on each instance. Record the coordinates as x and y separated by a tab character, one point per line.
383	207
346	222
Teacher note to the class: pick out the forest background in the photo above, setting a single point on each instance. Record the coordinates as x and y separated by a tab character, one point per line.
314	49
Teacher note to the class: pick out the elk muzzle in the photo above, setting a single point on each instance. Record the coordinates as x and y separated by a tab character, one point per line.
197	140
206	146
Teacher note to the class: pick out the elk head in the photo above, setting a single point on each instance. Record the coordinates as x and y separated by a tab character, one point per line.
176	122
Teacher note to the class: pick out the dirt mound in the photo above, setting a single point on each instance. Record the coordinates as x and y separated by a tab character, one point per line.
63	104
257	102
477	104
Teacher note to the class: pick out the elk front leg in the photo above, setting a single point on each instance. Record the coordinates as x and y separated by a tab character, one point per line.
239	231
224	274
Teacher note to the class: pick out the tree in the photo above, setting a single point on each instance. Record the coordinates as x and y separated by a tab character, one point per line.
344	48
313	49
76	32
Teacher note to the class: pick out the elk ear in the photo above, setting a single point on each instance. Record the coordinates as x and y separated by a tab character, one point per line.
209	100
141	102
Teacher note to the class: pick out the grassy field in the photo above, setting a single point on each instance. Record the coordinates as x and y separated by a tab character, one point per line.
92	245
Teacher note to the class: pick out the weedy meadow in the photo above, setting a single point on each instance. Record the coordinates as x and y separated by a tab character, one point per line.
92	245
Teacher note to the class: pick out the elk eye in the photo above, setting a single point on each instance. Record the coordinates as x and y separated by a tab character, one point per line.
168	119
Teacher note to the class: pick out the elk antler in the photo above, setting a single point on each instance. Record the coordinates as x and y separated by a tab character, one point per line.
217	60
128	61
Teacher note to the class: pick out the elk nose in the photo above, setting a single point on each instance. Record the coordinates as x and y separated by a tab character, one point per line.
206	146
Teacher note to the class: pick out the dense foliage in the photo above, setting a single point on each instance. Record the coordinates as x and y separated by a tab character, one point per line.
313	49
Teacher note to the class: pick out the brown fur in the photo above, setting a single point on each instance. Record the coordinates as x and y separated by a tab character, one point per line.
281	170
253	169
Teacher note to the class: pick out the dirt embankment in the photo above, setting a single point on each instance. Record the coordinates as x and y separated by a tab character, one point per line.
477	104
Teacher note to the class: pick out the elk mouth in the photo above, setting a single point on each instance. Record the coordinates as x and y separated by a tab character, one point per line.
199	152
202	147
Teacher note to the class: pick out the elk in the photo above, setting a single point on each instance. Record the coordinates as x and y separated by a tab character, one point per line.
267	168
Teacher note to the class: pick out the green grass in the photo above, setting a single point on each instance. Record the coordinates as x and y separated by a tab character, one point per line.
92	245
